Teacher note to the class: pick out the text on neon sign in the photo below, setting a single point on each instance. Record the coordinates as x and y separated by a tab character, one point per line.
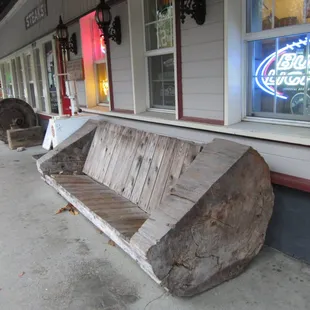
289	69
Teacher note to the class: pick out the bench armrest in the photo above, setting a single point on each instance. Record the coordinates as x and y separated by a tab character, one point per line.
70	155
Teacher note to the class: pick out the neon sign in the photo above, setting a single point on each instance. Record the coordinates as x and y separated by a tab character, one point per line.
285	68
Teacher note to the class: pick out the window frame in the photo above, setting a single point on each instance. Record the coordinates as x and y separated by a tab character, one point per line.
273	33
160	52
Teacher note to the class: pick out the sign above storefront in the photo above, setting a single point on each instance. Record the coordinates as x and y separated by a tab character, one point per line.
285	71
35	15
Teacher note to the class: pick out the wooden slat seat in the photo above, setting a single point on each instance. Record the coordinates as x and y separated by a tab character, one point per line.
116	210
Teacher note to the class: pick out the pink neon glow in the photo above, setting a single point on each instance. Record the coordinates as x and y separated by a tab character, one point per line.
92	39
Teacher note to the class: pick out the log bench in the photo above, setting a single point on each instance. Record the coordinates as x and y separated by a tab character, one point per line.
191	215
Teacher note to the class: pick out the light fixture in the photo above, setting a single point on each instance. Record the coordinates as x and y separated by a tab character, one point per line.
104	18
195	8
62	35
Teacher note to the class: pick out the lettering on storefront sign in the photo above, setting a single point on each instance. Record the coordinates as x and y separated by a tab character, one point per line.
285	69
35	15
75	69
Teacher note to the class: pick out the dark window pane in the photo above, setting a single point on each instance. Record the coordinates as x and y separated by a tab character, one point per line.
161	81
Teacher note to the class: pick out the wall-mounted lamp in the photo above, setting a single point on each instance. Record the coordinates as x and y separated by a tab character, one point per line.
104	18
195	8
62	35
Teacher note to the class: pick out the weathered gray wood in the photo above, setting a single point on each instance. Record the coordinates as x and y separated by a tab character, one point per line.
136	165
98	157
92	158
207	206
179	154
104	226
70	155
112	141
119	149
129	145
153	173
163	175
127	218
24	137
190	156
144	168
213	222
126	164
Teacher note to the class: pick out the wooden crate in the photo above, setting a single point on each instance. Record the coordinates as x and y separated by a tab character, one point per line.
24	137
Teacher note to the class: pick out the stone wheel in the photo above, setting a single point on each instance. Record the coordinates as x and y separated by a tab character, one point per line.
13	110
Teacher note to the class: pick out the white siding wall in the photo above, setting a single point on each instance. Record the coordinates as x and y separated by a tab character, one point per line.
203	64
121	63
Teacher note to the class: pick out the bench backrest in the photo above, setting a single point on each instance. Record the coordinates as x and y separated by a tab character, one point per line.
138	165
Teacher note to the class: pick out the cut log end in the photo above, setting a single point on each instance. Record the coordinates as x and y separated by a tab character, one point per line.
222	232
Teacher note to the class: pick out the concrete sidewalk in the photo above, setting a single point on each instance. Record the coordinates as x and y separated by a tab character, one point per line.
53	262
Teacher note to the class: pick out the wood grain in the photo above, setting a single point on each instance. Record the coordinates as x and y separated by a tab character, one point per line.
91	163
112	141
153	173
136	165
144	168
125	157
119	212
25	137
163	174
126	164
118	150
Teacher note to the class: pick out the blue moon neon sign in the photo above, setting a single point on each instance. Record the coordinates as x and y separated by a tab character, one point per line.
286	68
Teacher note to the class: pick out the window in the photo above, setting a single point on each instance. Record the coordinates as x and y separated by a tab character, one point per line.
30	80
160	52
278	61
16	88
38	68
20	79
268	14
100	63
50	66
8	83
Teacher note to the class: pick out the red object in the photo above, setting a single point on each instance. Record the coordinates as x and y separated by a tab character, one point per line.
179	62
290	181
124	111
202	120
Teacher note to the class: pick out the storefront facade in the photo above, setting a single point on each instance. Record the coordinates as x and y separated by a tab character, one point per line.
241	74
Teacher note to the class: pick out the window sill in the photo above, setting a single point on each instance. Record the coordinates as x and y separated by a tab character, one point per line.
46	115
256	130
